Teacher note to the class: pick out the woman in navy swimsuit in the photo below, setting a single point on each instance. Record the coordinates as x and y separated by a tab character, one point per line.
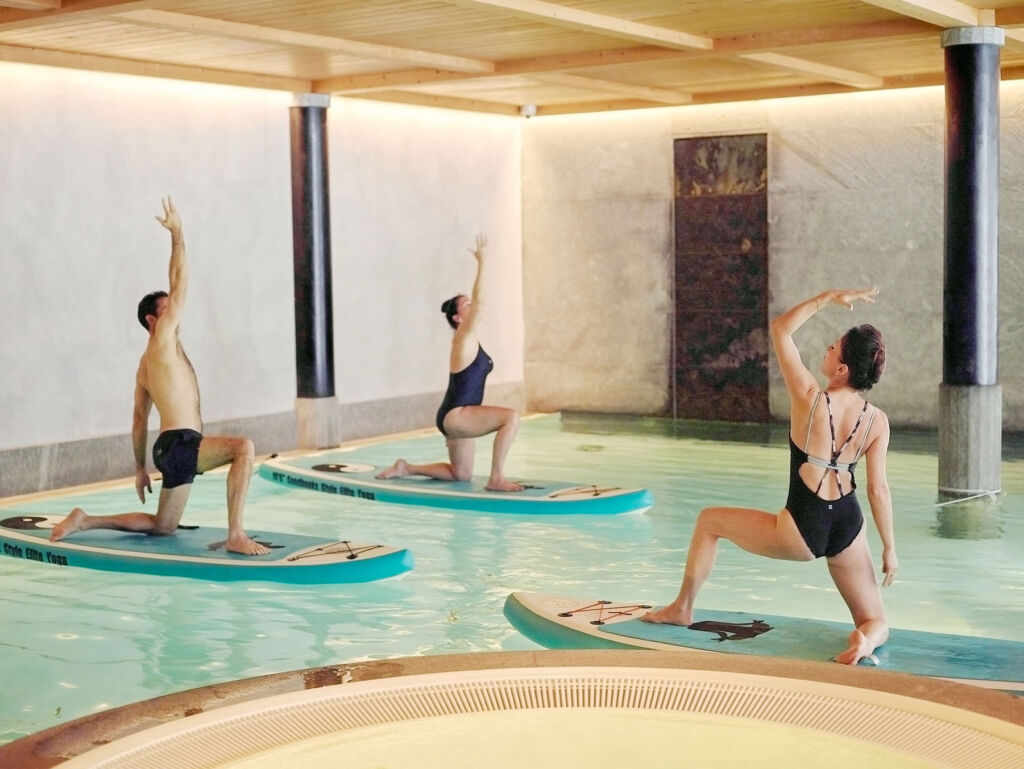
461	417
830	430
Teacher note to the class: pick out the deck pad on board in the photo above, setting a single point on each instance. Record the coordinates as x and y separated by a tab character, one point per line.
194	552
560	623
350	473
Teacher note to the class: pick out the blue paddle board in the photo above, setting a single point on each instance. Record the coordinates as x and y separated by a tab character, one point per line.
345	473
195	552
570	623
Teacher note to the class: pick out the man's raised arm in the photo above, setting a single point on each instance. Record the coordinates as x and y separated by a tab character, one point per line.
178	270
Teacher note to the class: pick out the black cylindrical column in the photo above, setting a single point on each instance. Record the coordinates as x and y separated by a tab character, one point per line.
970	398
315	405
311	248
971	317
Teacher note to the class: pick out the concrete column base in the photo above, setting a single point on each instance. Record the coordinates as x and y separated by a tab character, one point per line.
970	440
319	422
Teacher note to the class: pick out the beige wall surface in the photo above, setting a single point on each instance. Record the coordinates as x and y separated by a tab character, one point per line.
597	244
855	197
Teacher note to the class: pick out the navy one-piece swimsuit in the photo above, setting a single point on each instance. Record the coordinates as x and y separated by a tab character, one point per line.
466	387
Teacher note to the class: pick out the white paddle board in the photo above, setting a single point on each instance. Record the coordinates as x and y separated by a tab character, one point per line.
558	622
344	473
193	552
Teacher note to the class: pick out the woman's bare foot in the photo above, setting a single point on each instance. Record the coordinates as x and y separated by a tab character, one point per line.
859	648
399	469
669	615
74	522
502	485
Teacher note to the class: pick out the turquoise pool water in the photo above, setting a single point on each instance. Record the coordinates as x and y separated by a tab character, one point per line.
76	641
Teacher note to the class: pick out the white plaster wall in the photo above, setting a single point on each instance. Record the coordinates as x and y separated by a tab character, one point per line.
86	157
85	160
410	189
855	198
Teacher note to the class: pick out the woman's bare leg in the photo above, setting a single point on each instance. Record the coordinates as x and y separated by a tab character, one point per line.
756	531
475	421
458	468
854	576
462	424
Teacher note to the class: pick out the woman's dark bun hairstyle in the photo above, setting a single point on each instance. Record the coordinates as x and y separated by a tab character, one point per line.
450	308
863	351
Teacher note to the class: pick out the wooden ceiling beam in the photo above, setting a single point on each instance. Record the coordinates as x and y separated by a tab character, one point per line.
388	81
823	71
180	22
585	59
1014	40
612	26
657	95
952	13
584	107
16	18
31	5
561	62
82	61
759	94
773	41
941	13
766	43
558	14
1008	17
444	102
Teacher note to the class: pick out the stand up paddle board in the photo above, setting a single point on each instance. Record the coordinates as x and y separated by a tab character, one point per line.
571	623
351	474
199	553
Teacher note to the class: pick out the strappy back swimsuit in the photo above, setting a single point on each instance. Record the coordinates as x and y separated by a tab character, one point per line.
466	387
828	526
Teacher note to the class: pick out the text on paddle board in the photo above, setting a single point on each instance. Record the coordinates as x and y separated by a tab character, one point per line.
330	488
30	553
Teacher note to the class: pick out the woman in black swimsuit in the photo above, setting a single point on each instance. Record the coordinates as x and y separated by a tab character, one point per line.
461	417
822	516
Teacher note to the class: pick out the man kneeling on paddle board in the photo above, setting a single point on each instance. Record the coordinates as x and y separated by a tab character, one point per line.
166	378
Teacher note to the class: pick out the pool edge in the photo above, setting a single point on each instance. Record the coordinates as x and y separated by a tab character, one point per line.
57	744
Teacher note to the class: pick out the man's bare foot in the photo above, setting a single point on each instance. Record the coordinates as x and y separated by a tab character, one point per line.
502	485
668	615
74	522
859	648
244	545
399	469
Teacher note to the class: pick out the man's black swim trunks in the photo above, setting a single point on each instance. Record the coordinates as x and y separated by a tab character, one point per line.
176	455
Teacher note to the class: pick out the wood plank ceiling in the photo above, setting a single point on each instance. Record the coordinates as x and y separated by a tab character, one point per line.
499	55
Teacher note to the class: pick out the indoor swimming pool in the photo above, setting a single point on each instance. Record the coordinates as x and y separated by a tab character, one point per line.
78	641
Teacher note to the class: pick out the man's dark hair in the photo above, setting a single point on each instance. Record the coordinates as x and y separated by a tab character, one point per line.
147	306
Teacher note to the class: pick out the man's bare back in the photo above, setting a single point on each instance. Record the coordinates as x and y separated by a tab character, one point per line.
166	375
